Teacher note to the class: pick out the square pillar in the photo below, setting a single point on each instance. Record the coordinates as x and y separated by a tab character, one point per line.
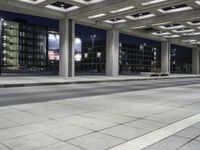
1	46
112	53
67	38
165	57
195	61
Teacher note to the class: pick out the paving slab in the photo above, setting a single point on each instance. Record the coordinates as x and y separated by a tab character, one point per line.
147	125
4	123
29	142
67	132
190	133
88	123
23	118
60	146
124	132
96	141
2	147
109	117
193	145
15	132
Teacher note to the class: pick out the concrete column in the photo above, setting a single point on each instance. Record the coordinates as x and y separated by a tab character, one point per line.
1	47
112	53
165	57
67	37
195	61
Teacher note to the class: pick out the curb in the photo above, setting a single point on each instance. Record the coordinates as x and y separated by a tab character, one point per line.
93	81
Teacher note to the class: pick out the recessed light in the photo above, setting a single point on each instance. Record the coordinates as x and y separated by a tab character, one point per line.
153	2
96	16
162	23
192	33
160	33
197	2
194	23
122	9
172	36
139	27
32	1
140	16
115	20
173	9
88	2
172	26
183	30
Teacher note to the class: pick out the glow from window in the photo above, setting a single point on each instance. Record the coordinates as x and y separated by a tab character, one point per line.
122	9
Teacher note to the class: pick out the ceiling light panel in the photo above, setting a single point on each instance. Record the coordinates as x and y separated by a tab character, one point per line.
96	16
172	26
115	21
88	2
140	16
173	9
189	41
194	23
160	33
186	30
32	1
153	2
197	2
191	34
61	6
139	27
172	36
122	9
162	23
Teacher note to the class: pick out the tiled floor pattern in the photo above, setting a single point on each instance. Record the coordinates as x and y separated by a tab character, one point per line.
102	122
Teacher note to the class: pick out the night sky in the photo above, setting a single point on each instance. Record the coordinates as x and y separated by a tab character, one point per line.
85	32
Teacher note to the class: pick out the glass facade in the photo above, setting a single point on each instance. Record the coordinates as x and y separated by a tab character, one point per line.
34	48
181	59
23	47
93	58
137	58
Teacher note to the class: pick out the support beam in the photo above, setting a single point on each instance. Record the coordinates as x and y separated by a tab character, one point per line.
67	36
112	53
195	61
165	57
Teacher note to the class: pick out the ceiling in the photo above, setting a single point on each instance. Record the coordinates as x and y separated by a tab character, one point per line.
175	20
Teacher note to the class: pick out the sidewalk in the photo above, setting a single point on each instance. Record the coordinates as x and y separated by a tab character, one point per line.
18	81
157	119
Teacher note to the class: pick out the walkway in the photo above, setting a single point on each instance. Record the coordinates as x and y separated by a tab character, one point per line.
156	119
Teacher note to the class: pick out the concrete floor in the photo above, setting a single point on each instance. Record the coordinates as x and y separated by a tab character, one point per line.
162	118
